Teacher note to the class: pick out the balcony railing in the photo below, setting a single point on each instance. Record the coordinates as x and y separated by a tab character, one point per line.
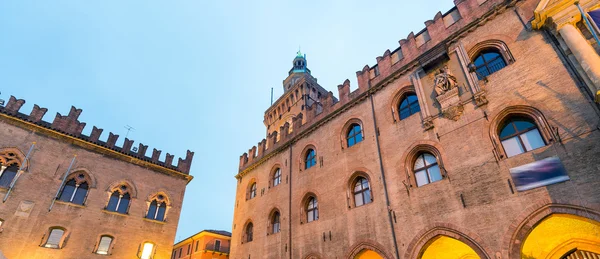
220	249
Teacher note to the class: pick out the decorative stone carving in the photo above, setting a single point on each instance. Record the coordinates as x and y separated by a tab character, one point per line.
444	81
428	123
450	104
453	112
480	99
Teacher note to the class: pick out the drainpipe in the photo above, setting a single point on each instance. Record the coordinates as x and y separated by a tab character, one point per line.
290	202
387	199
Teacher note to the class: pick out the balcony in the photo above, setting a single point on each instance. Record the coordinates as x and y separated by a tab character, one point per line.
217	249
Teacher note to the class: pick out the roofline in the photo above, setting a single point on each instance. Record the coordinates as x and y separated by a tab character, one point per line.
202	233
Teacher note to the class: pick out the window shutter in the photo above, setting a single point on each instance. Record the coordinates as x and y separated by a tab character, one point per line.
54	238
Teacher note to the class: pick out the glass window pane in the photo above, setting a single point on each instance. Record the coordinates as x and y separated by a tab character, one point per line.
8	175
429	159
104	245
405	113
124	205
359	137
80	194
490	55
54	238
367	194
420	163
523	125
67	191
310	216
147	251
357	186
411	98
434	173
508	130
316	213
112	202
350	142
151	210
161	212
512	146
404	103
358	199
421	177
532	140
414	108
479	61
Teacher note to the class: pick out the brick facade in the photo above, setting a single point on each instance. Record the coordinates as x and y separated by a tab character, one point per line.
476	201
26	215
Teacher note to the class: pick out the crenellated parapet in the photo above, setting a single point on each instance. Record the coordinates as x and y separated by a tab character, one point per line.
417	50
70	125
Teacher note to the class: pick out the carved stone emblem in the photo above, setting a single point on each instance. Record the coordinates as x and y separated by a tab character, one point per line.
24	209
480	99
453	112
428	123
444	81
450	104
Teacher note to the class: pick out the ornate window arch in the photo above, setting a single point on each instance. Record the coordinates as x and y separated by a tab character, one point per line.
251	190
158	206
76	188
55	237
11	160
119	197
424	165
522	115
488	57
275	176
308	157
352	133
310	208
359	189
405	103
248	232
274	221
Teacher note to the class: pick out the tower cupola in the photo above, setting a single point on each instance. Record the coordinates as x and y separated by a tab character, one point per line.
299	64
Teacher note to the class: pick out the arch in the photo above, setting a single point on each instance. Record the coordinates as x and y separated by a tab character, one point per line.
398	97
346	128
130	187
414	151
156	209
76	187
244	231
350	187
89	177
272	180
303	156
518	110
101	247
251	189
492	44
304	204
13	156
516	235
52	239
313	255
426	237
271	229
163	193
367	245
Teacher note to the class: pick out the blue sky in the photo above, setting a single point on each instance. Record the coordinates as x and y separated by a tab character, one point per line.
190	74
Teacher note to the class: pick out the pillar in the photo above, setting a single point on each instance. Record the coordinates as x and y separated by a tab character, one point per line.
584	53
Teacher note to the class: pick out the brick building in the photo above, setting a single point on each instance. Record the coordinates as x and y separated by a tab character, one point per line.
206	244
423	159
68	195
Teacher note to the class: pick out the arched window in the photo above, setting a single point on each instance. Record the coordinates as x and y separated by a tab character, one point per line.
146	250
249	232
55	237
426	169
312	210
157	208
519	135
362	192
104	245
310	159
7	174
488	62
75	189
119	200
354	135
252	191
277	177
275	222
408	106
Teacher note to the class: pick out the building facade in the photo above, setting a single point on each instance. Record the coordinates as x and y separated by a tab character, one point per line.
475	138
206	244
68	195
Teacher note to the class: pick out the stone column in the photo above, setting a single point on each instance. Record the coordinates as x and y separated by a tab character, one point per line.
583	52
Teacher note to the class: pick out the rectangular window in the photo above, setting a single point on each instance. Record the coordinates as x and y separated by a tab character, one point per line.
197	245
189	247
147	250
217	245
180	251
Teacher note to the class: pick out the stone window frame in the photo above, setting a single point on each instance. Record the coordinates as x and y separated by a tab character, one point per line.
303	155
110	247
11	156
346	129
350	188
274	169
270	221
304	208
399	96
245	230
156	196
63	240
249	189
117	187
493	44
74	175
411	158
525	111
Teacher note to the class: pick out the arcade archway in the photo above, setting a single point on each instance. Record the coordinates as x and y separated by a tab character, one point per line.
368	254
447	247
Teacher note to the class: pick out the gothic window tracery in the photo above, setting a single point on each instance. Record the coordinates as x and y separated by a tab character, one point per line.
10	162
157	208
75	189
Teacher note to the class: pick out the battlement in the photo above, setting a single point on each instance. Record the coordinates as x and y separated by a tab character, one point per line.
416	50
71	126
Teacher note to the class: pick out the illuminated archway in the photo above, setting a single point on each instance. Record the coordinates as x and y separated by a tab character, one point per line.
559	234
447	247
368	254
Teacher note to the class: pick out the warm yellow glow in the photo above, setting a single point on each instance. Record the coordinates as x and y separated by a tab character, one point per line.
368	254
559	233
147	250
448	248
